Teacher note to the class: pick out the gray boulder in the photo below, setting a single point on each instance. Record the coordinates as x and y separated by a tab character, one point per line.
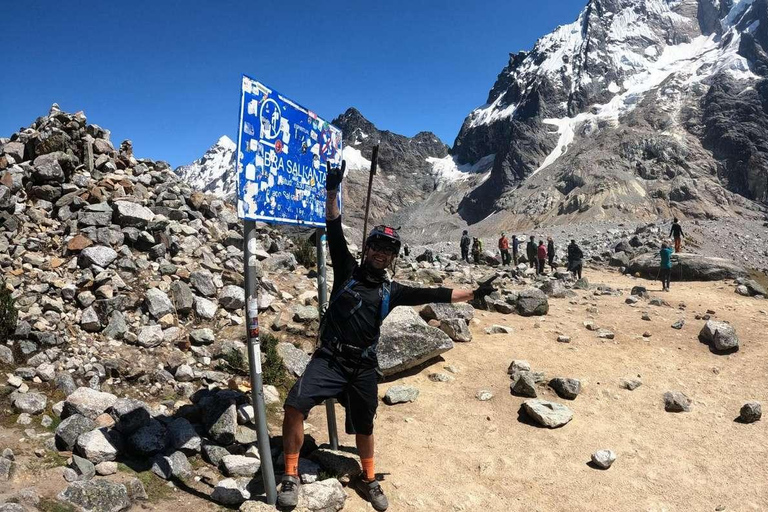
97	255
555	288
171	466
202	281
305	314
524	385
231	492
456	328
157	302
205	308
323	496
183	436
688	267
566	388
400	394
127	214
239	465
150	336
46	169
532	302
87	402
295	360
407	341
603	458
129	415
99	445
548	414
220	419
149	439
97	496
90	321
202	336
755	288
70	429
30	403
182	296
445	311
721	336
232	297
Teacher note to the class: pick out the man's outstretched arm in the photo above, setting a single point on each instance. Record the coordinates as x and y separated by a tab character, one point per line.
332	211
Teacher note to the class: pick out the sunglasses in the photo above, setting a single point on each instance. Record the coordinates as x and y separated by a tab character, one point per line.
382	247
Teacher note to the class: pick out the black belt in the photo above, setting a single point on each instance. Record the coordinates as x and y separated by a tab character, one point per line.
344	348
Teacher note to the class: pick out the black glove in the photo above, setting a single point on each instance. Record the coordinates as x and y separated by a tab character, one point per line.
484	289
334	176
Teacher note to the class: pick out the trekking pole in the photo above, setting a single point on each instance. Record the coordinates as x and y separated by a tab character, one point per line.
374	162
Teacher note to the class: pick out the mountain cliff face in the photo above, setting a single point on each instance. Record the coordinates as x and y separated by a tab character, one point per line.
639	108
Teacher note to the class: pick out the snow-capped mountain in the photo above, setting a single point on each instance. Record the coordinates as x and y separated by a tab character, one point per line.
214	171
638	108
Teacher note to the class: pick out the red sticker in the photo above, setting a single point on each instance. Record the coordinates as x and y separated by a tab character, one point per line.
279	146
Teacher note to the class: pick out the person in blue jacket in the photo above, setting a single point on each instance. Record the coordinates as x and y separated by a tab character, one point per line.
665	271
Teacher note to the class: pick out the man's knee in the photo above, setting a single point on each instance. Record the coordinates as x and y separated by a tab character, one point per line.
292	415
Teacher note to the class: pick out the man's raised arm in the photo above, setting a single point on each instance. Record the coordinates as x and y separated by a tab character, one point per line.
332	182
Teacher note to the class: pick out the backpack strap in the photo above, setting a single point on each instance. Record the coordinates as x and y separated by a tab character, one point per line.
385	293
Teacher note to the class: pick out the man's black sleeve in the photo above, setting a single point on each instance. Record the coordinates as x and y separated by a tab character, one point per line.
402	295
341	259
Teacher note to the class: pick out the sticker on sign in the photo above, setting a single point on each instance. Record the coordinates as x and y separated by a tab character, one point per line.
282	150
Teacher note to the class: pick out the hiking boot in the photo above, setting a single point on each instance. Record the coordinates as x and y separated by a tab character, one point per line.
289	491
373	493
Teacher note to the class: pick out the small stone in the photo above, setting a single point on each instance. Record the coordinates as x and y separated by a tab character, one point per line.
106	468
440	377
564	339
646	317
400	394
484	395
566	388
239	465
750	412
603	458
499	329
230	492
606	334
679	324
548	414
676	401
631	383
524	385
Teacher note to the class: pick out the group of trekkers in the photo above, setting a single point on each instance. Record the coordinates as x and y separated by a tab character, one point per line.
538	256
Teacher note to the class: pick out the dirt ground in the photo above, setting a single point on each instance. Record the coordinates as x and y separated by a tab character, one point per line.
449	451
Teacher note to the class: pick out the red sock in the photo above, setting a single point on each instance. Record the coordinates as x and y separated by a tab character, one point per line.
368	473
292	464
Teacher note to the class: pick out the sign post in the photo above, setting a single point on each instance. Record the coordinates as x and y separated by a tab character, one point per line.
282	150
254	362
322	301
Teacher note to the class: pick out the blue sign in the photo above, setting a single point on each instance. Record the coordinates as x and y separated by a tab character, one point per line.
282	149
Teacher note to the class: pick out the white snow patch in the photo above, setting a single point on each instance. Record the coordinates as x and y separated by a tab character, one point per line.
651	51
355	159
613	87
446	169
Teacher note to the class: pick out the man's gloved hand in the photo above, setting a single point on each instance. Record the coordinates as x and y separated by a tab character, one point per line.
484	289
334	176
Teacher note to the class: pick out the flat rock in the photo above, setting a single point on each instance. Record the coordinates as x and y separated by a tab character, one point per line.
171	466
400	394
445	311
456	329
99	445
230	492
97	496
30	403
294	359
407	341
499	329
324	496
239	465
88	402
342	464
548	414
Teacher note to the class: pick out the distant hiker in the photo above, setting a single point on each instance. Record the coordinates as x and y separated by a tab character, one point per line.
477	249
504	248
551	252
515	248
406	250
465	242
665	270
530	251
677	233
345	365
575	257
541	253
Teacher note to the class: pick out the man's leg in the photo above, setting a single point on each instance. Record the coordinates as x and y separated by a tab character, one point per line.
678	244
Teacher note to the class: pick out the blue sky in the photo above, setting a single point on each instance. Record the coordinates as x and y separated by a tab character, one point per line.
166	74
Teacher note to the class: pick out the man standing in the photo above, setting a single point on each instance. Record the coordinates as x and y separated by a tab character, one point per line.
677	233
665	270
465	242
515	248
575	257
477	250
504	249
530	251
551	252
345	365
542	255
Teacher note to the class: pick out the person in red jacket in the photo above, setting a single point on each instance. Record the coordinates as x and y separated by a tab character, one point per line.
542	255
504	249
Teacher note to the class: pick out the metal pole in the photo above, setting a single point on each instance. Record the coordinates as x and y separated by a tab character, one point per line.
254	362
374	162
322	304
